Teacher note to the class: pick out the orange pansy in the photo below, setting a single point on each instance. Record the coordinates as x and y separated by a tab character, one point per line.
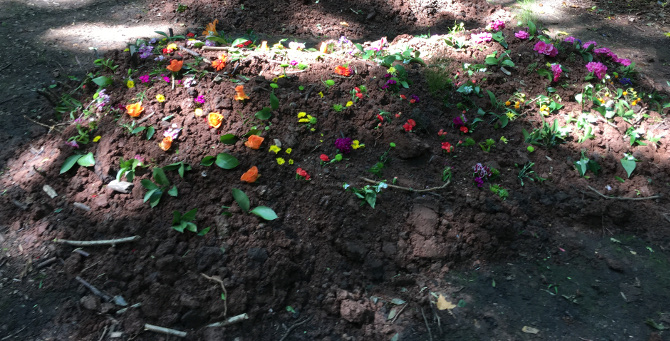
240	95
175	65
264	45
251	175
134	109
211	27
254	142
343	71
219	63
166	143
214	119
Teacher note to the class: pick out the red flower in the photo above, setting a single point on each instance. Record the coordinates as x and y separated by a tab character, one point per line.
357	89
447	146
324	158
359	95
190	35
343	71
412	101
403	96
464	129
380	117
441	132
303	173
409	125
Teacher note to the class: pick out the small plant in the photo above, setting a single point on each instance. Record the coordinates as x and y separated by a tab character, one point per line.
629	163
85	160
368	193
446	174
469	141
501	61
585	164
501	192
127	168
379	166
181	167
181	8
156	189
481	173
547	136
181	222
242	200
486	146
527	172
223	160
328	83
108	63
337	107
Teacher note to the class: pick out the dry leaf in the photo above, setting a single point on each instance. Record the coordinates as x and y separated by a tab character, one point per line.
443	304
530	330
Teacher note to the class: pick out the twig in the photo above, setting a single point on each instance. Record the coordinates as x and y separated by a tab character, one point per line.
53	127
47	262
309	91
408	188
398	314
294	326
81	252
665	215
216	48
104	332
121	311
191	52
430	334
223	287
164	330
141	120
229	321
623	198
94	290
10	336
97	242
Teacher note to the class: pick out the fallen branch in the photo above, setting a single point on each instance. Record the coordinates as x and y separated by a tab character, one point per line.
223	287
229	321
623	198
164	330
141	120
47	262
97	242
409	188
216	48
94	290
294	326
53	127
120	186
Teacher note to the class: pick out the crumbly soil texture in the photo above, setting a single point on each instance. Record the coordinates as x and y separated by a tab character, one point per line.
551	255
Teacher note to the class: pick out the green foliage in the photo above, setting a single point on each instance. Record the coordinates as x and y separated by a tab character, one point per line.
527	172
379	166
181	222
548	136
501	192
85	160
368	193
629	163
585	164
486	146
437	78
446	174
127	169
156	189
243	201
223	160
181	167
503	60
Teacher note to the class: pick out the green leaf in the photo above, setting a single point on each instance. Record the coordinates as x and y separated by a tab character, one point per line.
137	130
242	199
148	184
160	178
202	233
264	114
86	160
226	161
69	163
162	33
274	85
508	62
619	179
180	228
190	215
264	212
155	198
252	132
628	165
176	217
103	81
582	166
192	227
228	139
207	161
173	191
150	132
491	61
238	41
274	101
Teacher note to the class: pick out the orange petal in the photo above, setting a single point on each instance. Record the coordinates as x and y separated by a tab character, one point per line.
254	142
214	119
175	65
166	143
134	109
251	175
240	95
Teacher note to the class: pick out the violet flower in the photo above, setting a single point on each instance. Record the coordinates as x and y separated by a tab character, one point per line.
344	145
599	69
145	78
523	35
200	99
72	144
173	132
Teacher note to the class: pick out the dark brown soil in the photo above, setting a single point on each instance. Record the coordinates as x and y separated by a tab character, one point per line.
575	257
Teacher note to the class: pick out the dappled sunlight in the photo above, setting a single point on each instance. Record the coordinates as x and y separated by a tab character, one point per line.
105	37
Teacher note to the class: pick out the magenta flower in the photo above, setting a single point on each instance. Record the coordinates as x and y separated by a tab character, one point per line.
200	99
599	69
496	25
556	69
523	35
344	145
294	62
589	43
145	78
165	78
602	50
624	62
72	144
547	49
481	38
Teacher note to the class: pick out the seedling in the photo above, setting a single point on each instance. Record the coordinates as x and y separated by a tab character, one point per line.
328	83
181	222
379	166
368	193
127	169
629	163
486	146
243	201
223	160
527	172
501	192
108	63
446	174
547	136
337	107
155	190
181	167
86	160
501	61
585	164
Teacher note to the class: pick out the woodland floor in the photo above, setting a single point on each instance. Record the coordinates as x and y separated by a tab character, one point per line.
575	258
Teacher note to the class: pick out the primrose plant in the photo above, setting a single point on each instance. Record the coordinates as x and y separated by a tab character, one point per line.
367	193
243	201
181	222
481	173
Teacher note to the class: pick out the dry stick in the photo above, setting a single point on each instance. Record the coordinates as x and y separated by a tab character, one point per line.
665	215
223	287
141	120
97	242
47	262
229	321
94	290
294	326
191	52
398	314
409	188
623	198
42	124
216	48
430	334
164	330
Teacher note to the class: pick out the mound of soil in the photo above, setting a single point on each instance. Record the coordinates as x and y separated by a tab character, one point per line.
331	265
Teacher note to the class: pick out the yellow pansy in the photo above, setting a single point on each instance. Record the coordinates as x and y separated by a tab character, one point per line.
302	114
160	98
355	144
96	139
198	112
290	161
172	47
130	84
350	103
288	150
280	161
321	94
275	149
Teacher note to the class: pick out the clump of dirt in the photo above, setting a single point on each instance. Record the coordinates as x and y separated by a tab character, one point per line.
468	168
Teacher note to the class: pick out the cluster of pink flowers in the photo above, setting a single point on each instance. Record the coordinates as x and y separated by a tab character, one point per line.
546	49
571	40
496	25
523	35
480	38
589	43
557	70
599	69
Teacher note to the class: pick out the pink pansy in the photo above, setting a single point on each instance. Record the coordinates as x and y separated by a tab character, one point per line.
570	40
599	69
496	25
589	43
556	69
547	49
480	38
602	50
523	35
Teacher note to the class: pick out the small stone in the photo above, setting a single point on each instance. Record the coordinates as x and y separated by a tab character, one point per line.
90	302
